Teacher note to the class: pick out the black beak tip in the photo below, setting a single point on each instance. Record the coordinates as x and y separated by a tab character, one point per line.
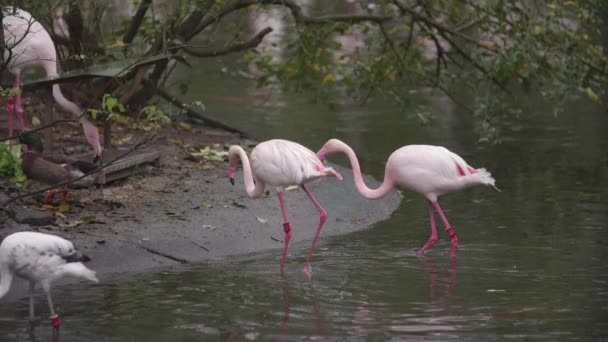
85	258
231	180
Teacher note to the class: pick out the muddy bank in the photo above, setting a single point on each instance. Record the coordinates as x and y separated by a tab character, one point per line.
183	212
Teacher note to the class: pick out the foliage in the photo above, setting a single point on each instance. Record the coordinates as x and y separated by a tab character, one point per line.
111	109
10	164
477	52
155	115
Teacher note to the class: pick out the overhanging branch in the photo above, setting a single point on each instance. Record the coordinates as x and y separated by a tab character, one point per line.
236	47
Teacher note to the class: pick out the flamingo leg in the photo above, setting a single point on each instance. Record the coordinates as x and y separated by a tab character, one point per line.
10	107
448	227
18	107
322	218
55	322
32	314
433	238
286	228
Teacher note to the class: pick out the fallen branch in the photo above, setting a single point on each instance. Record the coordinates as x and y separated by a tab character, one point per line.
112	162
168	256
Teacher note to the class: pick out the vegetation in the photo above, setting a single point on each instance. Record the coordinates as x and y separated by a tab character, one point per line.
344	51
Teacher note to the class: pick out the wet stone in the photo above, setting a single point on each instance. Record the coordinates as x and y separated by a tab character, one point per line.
33	217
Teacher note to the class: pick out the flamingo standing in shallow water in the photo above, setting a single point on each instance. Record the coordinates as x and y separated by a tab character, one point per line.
27	44
40	258
429	170
281	163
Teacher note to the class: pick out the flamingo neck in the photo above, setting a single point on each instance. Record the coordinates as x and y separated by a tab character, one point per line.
385	188
253	188
6	279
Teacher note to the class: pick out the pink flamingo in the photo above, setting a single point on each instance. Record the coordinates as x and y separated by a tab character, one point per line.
429	170
281	163
28	44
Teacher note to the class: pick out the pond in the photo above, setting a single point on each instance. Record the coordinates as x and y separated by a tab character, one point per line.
531	262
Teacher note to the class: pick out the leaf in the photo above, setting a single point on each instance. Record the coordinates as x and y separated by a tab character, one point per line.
71	224
292	188
63	207
208	153
89	218
206	205
329	77
593	95
262	220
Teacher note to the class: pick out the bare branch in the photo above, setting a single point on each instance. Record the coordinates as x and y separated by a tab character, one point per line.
236	47
136	22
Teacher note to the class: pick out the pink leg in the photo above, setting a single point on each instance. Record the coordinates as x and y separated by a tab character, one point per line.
448	227
287	229
17	84
322	218
433	238
10	107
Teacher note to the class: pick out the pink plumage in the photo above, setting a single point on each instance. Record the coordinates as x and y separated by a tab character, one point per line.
281	163
429	170
28	45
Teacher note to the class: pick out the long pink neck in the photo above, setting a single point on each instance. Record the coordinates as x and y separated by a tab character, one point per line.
385	188
254	189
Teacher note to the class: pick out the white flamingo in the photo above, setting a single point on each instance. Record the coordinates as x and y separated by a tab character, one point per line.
428	170
40	258
27	44
281	163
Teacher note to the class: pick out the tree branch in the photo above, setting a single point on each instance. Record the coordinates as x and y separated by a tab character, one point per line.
136	22
236	47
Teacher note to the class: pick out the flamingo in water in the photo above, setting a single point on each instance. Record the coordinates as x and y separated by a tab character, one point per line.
281	163
27	44
429	170
40	258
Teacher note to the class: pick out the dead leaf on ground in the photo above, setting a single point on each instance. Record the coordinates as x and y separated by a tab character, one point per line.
262	220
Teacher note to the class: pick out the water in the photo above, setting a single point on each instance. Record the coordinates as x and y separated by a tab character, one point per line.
531	262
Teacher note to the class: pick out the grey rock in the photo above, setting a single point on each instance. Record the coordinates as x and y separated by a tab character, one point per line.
34	217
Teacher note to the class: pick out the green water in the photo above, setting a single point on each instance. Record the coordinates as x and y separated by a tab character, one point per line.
531	262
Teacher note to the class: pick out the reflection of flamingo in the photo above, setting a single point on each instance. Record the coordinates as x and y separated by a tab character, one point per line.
431	267
318	315
281	163
40	258
28	44
429	170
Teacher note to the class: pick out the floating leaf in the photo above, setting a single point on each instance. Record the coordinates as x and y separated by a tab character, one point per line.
206	205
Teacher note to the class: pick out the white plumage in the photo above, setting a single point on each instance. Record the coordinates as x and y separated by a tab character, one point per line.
40	258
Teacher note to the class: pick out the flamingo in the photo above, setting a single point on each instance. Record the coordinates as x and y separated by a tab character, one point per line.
40	258
28	44
428	170
281	163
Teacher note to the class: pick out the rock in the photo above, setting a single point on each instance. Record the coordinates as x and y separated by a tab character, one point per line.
3	217
34	217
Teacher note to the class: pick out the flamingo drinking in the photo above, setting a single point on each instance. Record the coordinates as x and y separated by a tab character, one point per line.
28	44
281	163
429	170
40	258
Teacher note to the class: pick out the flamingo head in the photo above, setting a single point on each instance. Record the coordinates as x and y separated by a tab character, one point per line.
330	147
231	173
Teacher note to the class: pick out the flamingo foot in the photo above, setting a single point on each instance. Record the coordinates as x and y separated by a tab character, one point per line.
453	236
432	240
308	270
55	321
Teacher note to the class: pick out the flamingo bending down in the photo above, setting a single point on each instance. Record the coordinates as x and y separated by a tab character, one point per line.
429	170
28	44
40	258
281	163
